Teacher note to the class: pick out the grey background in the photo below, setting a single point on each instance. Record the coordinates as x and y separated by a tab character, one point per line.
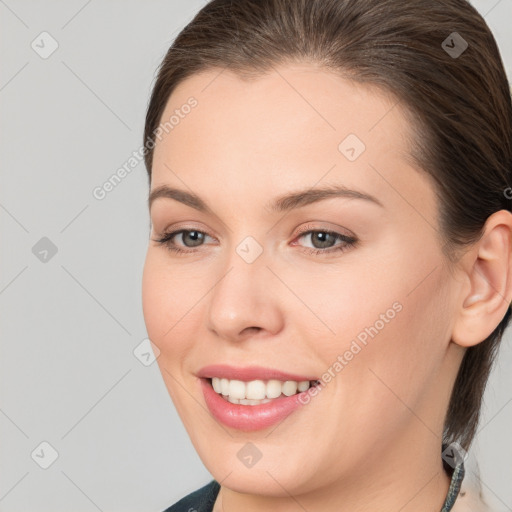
70	324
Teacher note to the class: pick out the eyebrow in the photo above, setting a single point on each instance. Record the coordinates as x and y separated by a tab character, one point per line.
284	203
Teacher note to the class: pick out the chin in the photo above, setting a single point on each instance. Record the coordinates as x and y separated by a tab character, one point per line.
271	473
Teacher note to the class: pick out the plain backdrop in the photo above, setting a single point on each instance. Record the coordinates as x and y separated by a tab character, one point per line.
76	395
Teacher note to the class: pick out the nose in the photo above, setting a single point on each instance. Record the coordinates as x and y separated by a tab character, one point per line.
242	303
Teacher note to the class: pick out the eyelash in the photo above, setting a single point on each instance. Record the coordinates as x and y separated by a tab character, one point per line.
349	241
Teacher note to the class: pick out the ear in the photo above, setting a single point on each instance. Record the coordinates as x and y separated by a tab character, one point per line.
488	289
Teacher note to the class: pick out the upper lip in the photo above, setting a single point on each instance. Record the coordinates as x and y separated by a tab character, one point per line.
248	373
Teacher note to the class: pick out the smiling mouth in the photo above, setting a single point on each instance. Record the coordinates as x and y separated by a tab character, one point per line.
256	392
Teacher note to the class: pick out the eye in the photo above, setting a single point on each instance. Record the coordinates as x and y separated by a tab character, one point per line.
320	237
324	238
196	238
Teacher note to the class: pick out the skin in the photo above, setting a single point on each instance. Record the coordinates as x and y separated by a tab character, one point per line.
371	439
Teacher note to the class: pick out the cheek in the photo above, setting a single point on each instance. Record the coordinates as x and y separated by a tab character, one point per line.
384	325
153	300
165	317
404	350
162	305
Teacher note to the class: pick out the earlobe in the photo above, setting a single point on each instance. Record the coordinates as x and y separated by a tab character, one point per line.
489	272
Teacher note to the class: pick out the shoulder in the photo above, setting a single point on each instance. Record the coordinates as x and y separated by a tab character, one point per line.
201	500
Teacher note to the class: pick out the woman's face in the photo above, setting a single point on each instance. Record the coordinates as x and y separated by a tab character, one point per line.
369	315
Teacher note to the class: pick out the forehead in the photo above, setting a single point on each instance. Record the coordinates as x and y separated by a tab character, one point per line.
283	109
287	129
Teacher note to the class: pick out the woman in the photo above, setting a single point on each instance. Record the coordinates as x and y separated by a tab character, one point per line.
329	271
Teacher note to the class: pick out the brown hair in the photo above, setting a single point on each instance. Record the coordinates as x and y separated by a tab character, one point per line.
459	108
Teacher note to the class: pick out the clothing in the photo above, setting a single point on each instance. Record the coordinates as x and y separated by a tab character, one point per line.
203	499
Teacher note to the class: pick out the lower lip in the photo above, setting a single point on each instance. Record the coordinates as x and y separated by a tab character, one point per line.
250	417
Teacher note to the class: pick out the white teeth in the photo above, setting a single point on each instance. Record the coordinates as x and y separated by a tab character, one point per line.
237	389
290	388
274	388
224	386
302	386
246	401
255	392
217	385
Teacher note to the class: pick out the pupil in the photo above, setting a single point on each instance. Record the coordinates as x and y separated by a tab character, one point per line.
323	235
195	235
